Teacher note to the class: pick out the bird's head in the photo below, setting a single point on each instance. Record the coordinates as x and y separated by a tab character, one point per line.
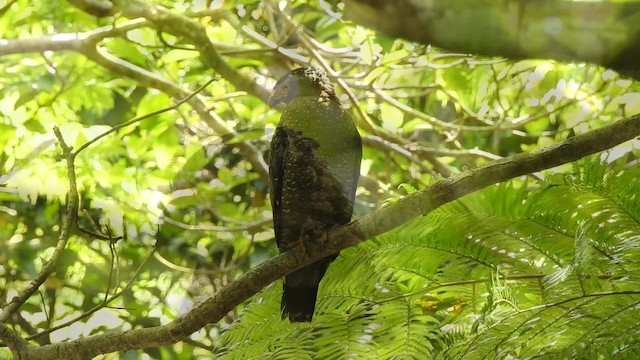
302	82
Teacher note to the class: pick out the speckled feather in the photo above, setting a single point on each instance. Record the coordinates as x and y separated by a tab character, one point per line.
314	169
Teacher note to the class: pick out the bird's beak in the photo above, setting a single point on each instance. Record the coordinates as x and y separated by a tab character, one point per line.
278	98
275	102
272	101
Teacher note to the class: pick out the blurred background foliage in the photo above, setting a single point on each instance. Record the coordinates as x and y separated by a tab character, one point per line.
194	214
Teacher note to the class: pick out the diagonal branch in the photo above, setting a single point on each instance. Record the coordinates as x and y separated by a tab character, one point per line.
376	223
195	33
121	67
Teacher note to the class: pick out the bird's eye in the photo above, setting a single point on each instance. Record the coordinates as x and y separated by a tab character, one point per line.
285	87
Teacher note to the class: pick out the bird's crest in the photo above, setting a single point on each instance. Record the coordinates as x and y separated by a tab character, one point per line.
319	78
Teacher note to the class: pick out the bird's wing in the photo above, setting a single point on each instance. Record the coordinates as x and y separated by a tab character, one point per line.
279	145
355	153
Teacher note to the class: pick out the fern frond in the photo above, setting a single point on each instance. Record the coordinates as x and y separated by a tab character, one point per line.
534	270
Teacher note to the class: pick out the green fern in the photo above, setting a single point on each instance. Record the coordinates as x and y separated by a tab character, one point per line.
524	271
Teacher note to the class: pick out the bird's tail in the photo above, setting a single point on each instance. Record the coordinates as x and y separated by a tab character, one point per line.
300	290
298	302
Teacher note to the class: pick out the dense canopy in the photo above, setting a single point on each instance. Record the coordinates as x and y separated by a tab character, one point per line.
497	209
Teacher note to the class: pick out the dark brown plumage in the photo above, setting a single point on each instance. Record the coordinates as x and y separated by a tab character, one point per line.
314	168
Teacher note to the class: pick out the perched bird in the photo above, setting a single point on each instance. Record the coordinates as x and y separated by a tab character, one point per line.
314	167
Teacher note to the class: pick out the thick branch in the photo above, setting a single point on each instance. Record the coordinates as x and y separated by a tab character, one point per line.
376	223
67	41
193	31
11	339
442	192
600	32
94	7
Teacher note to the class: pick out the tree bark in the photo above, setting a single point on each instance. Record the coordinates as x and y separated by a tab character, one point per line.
598	32
378	222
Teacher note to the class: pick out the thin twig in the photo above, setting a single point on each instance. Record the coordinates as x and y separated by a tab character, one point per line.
247	226
143	117
103	304
72	212
387	146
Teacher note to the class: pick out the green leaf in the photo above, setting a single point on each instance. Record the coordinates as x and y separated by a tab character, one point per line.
392	117
225	175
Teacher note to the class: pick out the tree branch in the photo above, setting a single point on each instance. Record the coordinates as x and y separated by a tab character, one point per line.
85	44
48	268
119	66
385	219
600	32
389	147
67	41
70	218
192	30
14	342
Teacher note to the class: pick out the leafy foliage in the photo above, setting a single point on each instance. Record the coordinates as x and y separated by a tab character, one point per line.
496	274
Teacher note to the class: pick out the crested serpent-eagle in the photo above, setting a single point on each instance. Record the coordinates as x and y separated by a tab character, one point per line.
314	167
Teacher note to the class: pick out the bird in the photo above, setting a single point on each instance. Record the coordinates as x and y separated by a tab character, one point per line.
314	166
